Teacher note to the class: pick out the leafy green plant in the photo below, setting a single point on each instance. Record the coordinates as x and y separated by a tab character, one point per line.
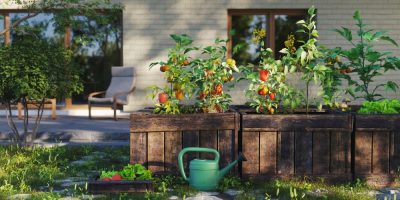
136	172
307	57
366	62
380	107
229	182
34	69
178	74
268	88
107	174
210	73
129	172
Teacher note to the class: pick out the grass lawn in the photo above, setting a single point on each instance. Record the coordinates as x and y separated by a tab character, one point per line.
51	173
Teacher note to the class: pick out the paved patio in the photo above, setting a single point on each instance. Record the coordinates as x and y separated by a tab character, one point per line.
73	130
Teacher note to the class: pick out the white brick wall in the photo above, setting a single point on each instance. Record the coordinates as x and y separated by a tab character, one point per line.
148	24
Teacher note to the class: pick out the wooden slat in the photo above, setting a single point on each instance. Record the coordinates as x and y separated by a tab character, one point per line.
155	147
321	152
225	147
250	148
190	139
139	148
147	122
286	154
380	152
297	122
395	152
173	145
303	153
268	152
363	148
340	152
377	122
208	139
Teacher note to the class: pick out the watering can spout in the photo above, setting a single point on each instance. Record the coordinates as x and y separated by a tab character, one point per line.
223	171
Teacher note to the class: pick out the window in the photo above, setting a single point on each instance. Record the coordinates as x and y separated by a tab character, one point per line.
279	24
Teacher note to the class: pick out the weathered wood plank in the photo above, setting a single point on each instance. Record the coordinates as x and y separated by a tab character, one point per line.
395	152
190	139
286	154
363	149
173	145
268	144
147	122
321	152
226	147
139	148
340	152
250	148
303	152
380	152
296	122
155	147
208	139
378	122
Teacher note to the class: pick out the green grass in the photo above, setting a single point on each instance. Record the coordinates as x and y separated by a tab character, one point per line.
34	171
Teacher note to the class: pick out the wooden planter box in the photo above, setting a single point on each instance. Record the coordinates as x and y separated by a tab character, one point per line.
314	145
377	148
106	187
156	140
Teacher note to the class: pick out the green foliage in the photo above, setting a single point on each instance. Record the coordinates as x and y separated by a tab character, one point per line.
107	174
267	95
366	62
203	77
178	75
381	107
307	57
37	69
135	172
210	73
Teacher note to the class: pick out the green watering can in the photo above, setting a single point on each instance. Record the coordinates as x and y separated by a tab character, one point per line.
205	174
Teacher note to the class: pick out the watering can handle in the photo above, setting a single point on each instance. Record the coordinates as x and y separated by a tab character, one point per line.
194	149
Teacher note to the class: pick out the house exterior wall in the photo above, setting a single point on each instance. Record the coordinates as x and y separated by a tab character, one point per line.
148	24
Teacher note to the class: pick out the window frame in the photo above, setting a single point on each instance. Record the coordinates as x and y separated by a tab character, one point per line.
269	13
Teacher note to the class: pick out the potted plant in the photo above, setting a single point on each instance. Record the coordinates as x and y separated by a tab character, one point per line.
132	178
178	119
277	140
376	141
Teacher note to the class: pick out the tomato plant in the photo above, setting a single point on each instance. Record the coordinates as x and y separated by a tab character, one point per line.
210	73
267	88
179	76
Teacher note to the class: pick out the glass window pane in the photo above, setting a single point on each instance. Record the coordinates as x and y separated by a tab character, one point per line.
101	50
285	25
243	27
40	25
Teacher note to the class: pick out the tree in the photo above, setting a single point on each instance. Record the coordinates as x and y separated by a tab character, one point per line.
34	69
67	10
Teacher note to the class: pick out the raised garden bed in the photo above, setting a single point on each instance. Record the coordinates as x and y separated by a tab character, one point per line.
377	148
157	139
316	145
124	186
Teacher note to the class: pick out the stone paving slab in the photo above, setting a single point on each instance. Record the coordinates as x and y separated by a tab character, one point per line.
74	130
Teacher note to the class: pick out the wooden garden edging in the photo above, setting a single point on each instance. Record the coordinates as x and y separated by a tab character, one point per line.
377	148
315	145
156	139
